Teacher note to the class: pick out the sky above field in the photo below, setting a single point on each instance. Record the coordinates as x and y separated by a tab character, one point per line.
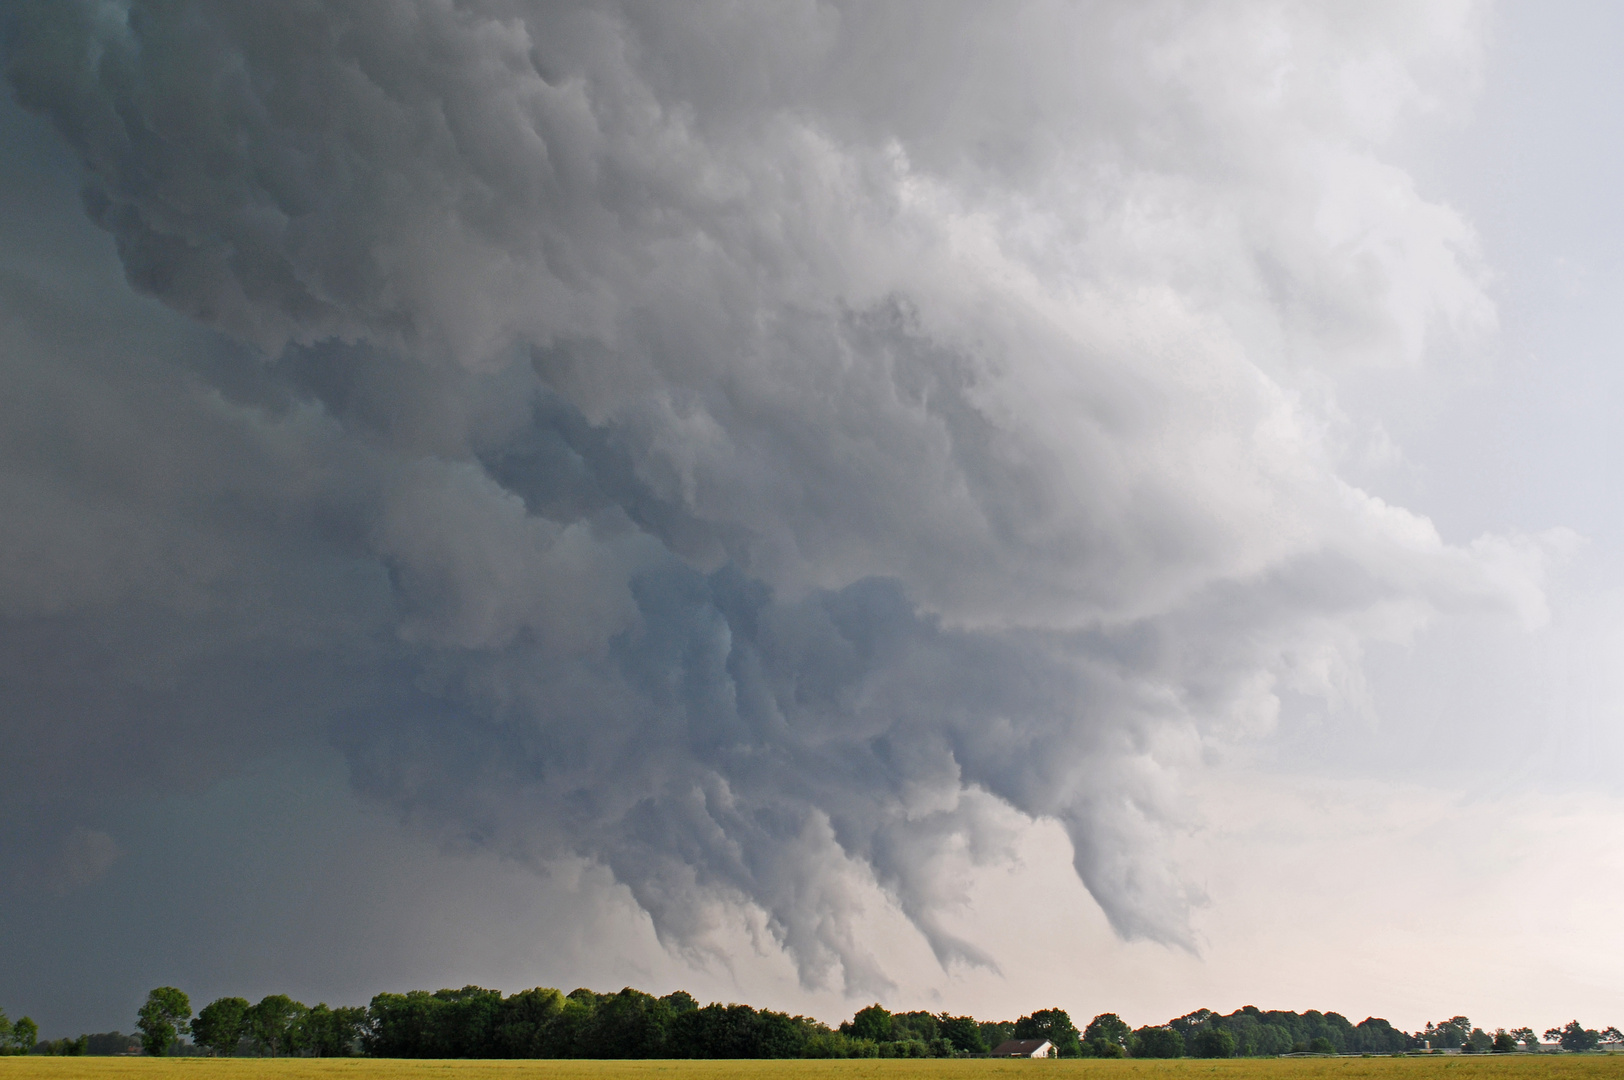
976	507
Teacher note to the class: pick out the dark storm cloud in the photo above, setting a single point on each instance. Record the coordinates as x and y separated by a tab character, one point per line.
749	450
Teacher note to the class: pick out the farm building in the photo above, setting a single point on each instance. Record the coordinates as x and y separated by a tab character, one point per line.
1024	1048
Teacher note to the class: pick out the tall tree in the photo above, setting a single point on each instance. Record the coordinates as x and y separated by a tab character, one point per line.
630	1024
1575	1036
327	1032
523	1030
1213	1041
273	1024
994	1032
1448	1034
465	1022
24	1034
1108	1028
162	1019
963	1033
719	1031
402	1025
919	1025
1157	1042
1054	1025
219	1025
873	1022
113	1042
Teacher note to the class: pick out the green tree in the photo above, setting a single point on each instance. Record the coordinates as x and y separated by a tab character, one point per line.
273	1024
1504	1042
401	1026
1374	1035
736	1031
219	1025
1478	1042
919	1025
465	1023
963	1033
1449	1034
994	1032
1190	1023
630	1024
327	1032
162	1020
565	1034
24	1034
680	1001
1157	1042
64	1047
523	1030
1321	1045
1054	1025
1576	1037
1270	1038
350	1024
113	1042
1108	1027
873	1022
1527	1036
780	1035
1213	1042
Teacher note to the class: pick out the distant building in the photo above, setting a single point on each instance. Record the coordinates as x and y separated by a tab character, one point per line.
1027	1048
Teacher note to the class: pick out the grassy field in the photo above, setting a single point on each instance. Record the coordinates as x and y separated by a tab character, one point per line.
1518	1067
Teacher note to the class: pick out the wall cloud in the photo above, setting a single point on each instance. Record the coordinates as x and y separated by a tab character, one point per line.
752	449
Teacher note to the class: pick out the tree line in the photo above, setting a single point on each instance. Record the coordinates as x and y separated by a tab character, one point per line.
19	1037
474	1022
1458	1032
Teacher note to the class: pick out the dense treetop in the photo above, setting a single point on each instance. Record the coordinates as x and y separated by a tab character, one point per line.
474	1022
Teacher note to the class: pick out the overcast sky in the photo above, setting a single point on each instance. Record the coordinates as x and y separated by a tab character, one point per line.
975	507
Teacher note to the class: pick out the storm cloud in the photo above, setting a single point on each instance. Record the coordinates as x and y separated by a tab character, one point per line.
751	449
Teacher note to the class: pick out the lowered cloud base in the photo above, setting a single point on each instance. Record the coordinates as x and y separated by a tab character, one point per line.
770	455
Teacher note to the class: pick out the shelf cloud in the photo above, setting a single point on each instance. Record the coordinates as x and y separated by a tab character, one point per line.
754	450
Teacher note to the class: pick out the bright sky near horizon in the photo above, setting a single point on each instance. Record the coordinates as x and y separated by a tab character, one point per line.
981	508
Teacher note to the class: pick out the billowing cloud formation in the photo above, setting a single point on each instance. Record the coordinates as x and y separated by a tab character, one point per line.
749	448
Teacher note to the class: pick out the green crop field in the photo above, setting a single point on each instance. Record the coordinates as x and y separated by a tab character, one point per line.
1517	1067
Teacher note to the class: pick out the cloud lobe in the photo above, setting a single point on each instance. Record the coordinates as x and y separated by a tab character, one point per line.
759	452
